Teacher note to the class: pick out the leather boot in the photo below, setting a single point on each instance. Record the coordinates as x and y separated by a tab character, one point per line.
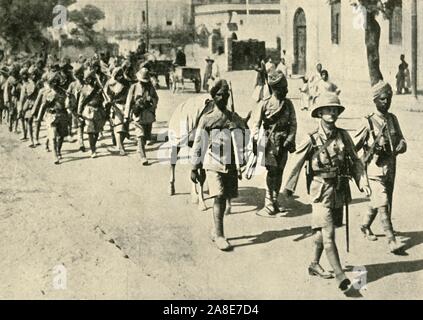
268	211
315	269
277	206
368	234
367	222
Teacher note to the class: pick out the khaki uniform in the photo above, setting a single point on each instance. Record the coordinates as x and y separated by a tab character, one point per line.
280	125
330	157
56	115
381	168
213	150
142	100
118	93
91	108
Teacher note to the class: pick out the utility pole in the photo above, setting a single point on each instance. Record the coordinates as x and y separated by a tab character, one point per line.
414	47
148	26
247	4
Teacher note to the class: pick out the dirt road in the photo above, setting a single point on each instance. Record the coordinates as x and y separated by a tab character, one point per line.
111	224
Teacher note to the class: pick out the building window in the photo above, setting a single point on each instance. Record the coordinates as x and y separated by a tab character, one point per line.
395	25
169	23
336	21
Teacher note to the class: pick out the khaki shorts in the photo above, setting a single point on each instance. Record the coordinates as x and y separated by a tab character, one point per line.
323	217
380	192
223	184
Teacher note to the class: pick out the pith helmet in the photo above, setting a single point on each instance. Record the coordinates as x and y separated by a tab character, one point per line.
143	75
327	99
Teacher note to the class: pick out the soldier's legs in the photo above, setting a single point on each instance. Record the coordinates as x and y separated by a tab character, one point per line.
174	151
81	137
141	149
30	131
272	182
24	132
368	219
328	236
218	234
92	139
315	268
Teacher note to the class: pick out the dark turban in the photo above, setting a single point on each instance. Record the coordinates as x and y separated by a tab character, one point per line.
219	85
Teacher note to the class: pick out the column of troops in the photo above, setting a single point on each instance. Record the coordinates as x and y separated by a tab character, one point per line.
79	99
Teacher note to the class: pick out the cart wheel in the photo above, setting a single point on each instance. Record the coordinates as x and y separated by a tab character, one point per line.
197	85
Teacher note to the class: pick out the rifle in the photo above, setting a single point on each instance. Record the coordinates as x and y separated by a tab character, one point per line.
369	154
106	97
234	142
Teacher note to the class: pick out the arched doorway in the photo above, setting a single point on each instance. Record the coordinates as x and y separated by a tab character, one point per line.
300	42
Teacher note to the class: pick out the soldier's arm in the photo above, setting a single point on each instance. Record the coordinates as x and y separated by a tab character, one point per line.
257	123
129	99
80	103
361	137
358	170
155	98
199	147
292	125
6	94
402	143
303	154
41	111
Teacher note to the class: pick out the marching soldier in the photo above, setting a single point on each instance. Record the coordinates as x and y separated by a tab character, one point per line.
56	115
72	101
4	74
214	134
37	110
331	160
29	95
382	140
117	89
11	96
277	116
25	86
142	103
90	109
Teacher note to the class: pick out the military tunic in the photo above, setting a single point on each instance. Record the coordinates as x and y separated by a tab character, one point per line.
56	116
118	93
280	125
381	168
28	97
330	156
142	101
213	150
91	109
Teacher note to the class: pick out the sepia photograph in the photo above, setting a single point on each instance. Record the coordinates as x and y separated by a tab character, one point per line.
213	150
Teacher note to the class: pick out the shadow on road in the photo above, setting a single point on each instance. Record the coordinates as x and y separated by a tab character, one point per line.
249	197
413	238
268	236
376	272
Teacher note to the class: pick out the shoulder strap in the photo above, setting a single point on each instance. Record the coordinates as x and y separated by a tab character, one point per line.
371	126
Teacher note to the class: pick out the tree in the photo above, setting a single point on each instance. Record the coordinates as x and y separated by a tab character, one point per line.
372	31
22	22
84	33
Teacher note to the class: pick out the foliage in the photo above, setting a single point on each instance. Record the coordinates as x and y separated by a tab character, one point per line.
374	7
22	22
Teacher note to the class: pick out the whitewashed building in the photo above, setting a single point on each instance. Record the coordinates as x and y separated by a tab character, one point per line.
314	31
247	19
